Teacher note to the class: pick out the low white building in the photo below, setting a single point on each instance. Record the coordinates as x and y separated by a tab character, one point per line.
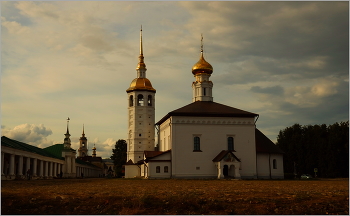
19	159
203	139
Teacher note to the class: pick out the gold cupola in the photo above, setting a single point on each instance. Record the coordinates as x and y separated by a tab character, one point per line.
202	66
141	82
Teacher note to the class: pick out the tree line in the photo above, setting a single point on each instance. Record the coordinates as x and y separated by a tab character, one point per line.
316	146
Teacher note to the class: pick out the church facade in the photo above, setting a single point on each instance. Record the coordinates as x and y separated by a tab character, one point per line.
203	139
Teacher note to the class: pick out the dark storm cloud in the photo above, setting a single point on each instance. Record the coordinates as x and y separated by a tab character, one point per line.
289	33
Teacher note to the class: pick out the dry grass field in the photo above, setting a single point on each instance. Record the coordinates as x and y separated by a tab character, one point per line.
136	196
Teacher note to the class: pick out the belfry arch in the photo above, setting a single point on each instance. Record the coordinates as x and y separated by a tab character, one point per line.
140	101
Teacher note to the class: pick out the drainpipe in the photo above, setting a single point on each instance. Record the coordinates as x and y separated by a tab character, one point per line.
256	120
158	135
256	155
270	164
171	158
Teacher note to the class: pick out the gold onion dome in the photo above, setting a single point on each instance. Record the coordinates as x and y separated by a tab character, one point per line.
94	148
202	66
141	84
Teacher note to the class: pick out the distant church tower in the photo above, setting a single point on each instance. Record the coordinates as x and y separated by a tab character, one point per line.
202	87
67	142
141	112
94	151
83	151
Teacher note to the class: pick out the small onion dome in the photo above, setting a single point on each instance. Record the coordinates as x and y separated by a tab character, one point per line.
94	148
202	66
142	84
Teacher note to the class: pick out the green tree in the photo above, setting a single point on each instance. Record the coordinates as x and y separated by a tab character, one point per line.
119	157
316	146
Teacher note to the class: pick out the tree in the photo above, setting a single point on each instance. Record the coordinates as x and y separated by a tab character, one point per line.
119	156
316	146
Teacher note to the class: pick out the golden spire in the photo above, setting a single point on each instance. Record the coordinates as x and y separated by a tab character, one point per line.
141	64
202	66
83	131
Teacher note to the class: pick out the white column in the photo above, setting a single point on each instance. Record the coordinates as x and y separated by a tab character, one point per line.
58	168
12	165
41	169
20	166
46	168
73	165
54	169
34	166
50	168
2	163
28	164
68	164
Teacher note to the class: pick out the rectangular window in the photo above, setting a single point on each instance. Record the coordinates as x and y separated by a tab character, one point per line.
166	169
196	144
158	169
230	143
274	163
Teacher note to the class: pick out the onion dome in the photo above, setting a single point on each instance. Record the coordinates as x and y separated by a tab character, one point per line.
202	66
142	84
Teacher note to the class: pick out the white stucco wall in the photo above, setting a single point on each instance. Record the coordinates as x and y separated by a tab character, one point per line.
213	133
141	120
152	166
265	166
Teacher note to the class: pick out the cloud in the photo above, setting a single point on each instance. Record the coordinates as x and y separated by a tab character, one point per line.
29	133
274	90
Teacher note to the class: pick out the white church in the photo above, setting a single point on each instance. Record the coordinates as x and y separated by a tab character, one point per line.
203	139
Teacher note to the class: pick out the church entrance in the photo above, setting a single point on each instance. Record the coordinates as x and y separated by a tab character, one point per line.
225	171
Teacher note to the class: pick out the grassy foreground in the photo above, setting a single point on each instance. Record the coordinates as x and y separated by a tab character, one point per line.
136	196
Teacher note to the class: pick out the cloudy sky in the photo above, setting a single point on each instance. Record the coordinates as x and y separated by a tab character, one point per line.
286	61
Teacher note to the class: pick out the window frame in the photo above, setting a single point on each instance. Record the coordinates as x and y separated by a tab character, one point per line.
230	145
197	143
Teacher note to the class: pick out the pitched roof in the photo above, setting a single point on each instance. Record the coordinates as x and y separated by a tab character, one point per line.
264	144
222	154
130	162
55	149
152	154
207	109
5	141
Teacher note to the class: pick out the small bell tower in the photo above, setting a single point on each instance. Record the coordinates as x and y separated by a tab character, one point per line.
141	112
83	150
67	143
94	151
202	87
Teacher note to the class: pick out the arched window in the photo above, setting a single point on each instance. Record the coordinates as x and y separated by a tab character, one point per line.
158	169
204	91
196	144
230	145
274	163
131	101
149	101
166	169
140	100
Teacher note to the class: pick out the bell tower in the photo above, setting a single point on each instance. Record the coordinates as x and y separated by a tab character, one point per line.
141	112
202	87
83	150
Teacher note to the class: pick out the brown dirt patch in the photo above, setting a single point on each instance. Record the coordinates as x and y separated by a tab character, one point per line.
137	196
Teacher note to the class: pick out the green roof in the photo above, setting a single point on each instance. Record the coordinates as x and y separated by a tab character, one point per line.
5	141
55	150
